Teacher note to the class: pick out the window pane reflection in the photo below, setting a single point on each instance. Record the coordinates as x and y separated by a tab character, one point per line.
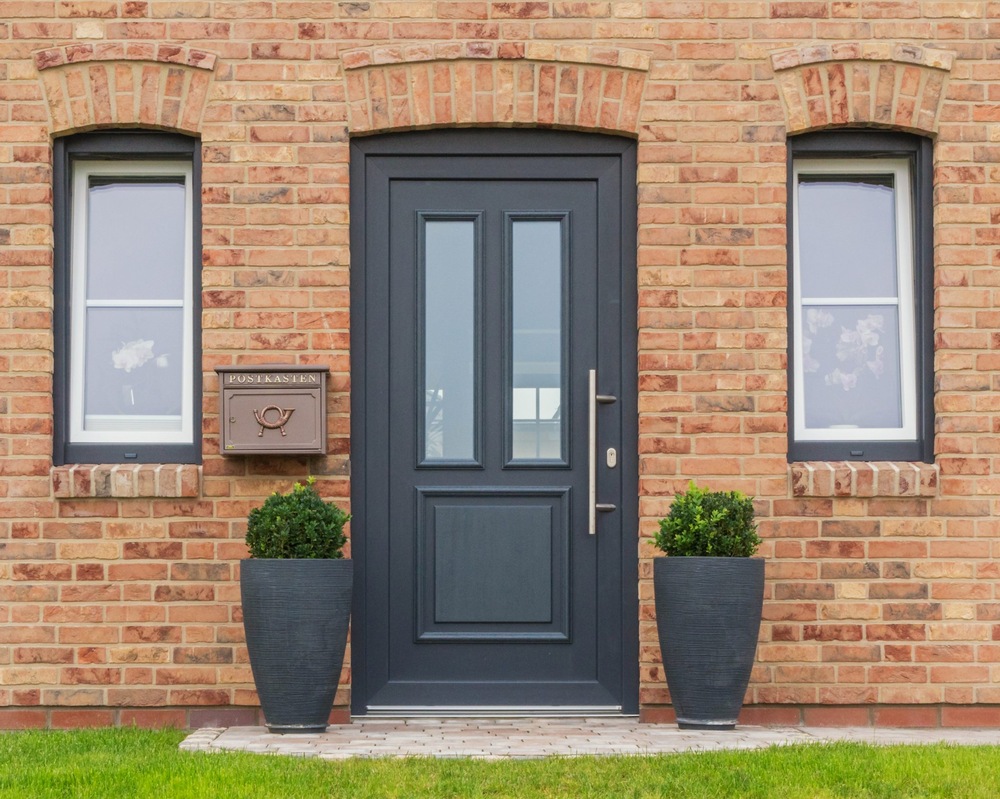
536	264
847	236
135	244
851	367
132	369
449	340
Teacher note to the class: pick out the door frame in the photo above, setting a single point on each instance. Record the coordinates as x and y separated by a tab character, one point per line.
474	142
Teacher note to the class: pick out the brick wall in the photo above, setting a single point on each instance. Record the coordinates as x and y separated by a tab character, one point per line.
118	587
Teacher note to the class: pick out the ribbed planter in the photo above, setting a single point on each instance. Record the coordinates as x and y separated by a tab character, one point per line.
295	614
708	617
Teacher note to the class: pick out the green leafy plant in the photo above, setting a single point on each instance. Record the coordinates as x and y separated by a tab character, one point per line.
715	523
299	524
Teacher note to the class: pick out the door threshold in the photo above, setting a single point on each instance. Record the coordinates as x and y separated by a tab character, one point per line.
500	711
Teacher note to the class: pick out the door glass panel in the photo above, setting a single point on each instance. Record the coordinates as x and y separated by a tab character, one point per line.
449	383
537	361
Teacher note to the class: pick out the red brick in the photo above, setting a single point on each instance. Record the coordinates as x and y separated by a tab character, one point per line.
657	715
907	716
16	719
770	716
836	716
77	719
986	716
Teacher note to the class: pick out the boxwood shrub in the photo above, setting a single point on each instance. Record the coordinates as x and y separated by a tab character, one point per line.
712	523
299	524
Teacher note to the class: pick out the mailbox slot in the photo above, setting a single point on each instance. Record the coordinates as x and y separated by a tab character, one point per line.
272	410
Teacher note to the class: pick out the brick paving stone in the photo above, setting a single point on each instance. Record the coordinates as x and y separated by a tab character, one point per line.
534	738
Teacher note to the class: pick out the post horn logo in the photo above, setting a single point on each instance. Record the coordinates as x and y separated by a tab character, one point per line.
284	414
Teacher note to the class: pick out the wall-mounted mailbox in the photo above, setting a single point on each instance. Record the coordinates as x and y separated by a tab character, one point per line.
272	410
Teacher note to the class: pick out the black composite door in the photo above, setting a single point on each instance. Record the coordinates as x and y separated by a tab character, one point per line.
493	534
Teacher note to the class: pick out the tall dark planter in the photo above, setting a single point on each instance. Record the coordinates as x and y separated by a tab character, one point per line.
708	617
296	613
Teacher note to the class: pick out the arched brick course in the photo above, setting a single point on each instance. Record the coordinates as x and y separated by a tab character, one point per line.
480	83
859	84
125	84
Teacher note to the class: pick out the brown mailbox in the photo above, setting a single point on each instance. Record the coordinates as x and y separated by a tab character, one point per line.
272	410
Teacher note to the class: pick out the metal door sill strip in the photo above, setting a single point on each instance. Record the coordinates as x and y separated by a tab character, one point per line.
486	711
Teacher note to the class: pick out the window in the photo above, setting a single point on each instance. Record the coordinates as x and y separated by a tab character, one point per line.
127	379
860	256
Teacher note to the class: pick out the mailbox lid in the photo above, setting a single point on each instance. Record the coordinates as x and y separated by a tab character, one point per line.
272	374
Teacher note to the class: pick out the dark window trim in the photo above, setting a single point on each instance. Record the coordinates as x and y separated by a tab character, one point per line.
116	146
919	151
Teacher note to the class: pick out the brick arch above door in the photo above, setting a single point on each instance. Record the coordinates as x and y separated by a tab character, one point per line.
859	84
532	84
125	84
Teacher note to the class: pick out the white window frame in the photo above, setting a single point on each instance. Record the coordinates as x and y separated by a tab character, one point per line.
899	170
120	429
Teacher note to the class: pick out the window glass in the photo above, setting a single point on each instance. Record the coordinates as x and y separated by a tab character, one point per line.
132	373
851	367
847	236
135	239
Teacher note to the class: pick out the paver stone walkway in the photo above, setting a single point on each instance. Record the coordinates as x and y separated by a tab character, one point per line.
497	738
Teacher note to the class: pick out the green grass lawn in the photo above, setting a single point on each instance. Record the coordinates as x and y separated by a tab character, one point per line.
134	764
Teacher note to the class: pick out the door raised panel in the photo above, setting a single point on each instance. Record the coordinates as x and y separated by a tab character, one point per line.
492	564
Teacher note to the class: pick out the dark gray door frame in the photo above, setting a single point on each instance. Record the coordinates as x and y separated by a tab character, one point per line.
373	349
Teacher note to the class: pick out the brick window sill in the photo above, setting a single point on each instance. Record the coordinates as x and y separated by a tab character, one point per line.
123	481
863	479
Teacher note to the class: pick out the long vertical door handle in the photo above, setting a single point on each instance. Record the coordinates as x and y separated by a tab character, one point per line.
592	504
